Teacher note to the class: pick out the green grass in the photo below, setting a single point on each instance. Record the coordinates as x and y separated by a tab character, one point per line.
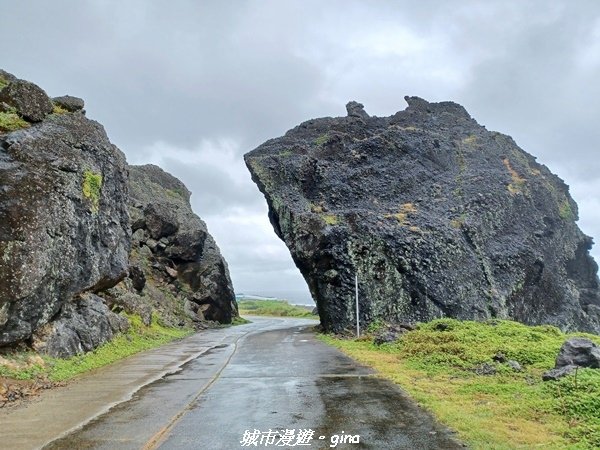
321	140
239	321
278	308
137	339
57	109
564	210
91	187
11	121
502	411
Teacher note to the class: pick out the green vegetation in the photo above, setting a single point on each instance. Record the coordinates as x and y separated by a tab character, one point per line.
59	110
11	121
28	366
92	184
402	215
240	321
331	219
564	210
278	308
321	140
435	364
176	193
3	83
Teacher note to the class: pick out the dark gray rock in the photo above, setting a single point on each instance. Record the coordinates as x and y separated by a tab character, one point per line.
555	374
70	103
514	365
81	326
29	100
65	224
138	277
436	214
579	352
174	250
485	369
356	109
499	357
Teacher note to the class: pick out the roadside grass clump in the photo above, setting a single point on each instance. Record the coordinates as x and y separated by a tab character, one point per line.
91	187
239	321
436	364
277	308
138	338
11	121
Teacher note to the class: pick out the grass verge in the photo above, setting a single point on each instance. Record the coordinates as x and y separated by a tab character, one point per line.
30	366
436	365
278	308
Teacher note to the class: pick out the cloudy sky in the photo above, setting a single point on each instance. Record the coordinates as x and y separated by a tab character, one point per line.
193	85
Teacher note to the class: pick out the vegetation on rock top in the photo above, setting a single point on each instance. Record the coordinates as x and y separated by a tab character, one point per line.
278	308
11	121
438	362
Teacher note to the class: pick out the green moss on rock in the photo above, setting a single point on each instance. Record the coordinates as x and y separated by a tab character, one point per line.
91	187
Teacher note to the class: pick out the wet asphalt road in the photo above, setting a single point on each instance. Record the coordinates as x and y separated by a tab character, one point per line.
271	375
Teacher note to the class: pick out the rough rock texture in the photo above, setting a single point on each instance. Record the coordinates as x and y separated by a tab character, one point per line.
81	326
64	227
29	100
574	353
439	217
580	352
175	264
69	103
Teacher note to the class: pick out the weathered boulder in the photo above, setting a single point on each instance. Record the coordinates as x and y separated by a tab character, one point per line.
29	100
580	352
437	215
81	326
69	103
175	264
64	227
575	352
556	373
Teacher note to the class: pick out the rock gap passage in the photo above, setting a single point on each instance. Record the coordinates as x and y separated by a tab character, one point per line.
84	236
437	215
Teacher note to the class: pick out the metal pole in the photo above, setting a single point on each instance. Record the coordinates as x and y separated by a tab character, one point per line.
357	309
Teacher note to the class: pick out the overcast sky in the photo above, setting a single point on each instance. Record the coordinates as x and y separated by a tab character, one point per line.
193	85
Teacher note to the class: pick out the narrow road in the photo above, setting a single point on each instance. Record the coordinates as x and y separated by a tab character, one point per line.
269	384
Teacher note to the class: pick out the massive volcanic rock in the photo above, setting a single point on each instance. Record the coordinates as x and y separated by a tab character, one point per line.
437	215
64	224
176	267
67	263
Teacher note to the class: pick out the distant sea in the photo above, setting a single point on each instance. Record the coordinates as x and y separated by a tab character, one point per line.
293	297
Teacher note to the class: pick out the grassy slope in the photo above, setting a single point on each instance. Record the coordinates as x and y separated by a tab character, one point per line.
28	366
503	411
279	308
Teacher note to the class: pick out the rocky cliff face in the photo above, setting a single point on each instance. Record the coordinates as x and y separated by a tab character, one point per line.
67	264
436	215
64	227
176	267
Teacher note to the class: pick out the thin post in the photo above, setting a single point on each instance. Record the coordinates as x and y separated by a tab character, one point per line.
357	309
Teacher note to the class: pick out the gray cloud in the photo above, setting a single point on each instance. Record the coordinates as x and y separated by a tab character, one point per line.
194	85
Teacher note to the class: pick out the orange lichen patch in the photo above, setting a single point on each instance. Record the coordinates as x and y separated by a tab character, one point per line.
517	181
402	214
